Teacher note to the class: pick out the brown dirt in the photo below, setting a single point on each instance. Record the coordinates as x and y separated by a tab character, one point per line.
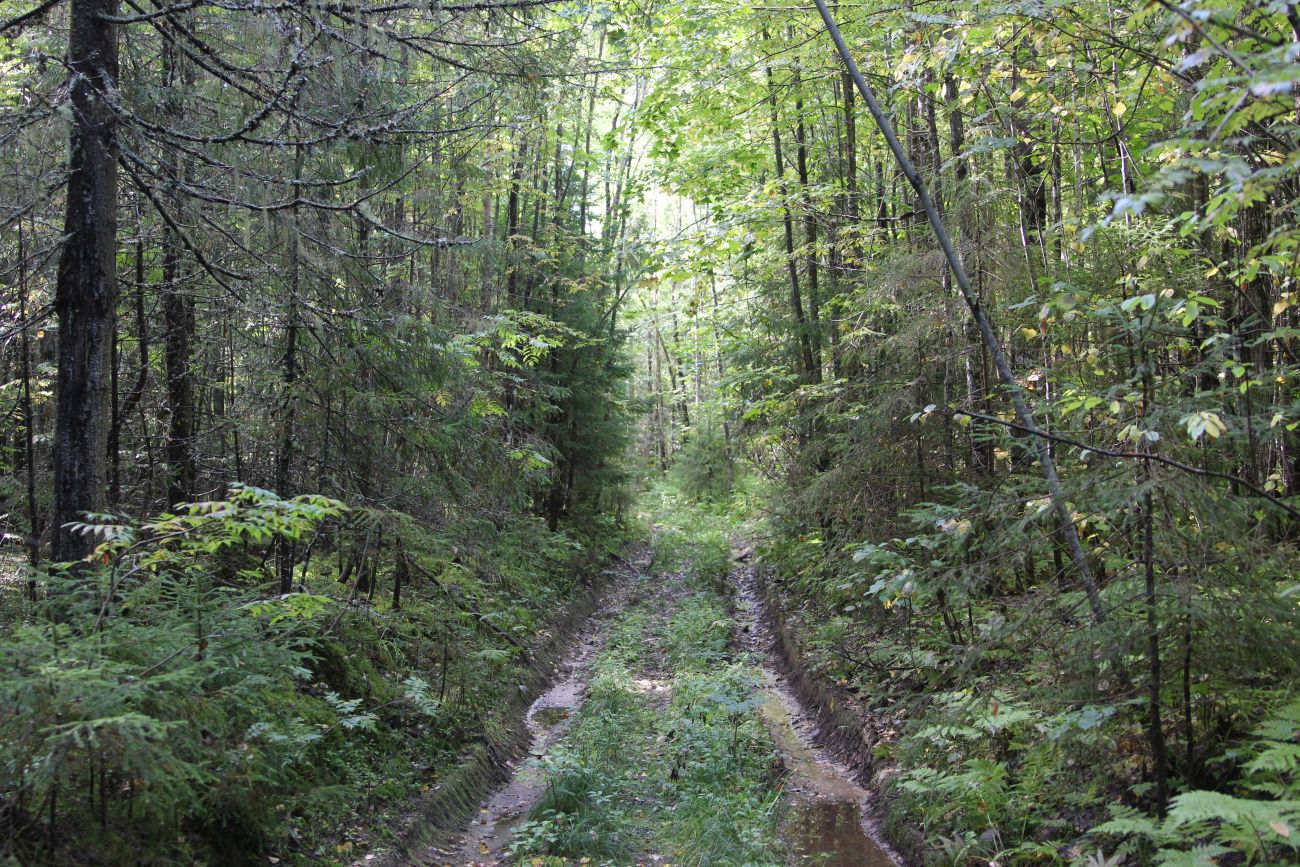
439	829
830	812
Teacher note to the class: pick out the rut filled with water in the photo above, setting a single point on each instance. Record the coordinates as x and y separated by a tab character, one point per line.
826	815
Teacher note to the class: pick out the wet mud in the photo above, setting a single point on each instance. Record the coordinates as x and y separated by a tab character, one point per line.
486	842
826	814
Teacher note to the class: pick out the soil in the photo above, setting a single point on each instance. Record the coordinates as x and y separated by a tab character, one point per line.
486	842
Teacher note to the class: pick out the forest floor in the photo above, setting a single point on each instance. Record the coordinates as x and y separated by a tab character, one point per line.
672	736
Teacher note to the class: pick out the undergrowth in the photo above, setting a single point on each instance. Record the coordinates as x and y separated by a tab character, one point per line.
167	708
1005	747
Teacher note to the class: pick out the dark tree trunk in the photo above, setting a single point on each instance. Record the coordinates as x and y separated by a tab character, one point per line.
178	316
289	374
512	222
178	319
85	295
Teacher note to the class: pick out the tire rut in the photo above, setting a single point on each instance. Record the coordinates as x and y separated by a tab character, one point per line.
827	817
485	843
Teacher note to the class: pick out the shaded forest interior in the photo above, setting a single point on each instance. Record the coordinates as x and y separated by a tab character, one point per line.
345	344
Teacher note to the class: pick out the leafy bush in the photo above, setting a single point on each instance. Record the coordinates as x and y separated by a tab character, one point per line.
160	697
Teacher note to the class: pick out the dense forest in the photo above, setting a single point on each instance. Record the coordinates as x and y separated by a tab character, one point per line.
361	360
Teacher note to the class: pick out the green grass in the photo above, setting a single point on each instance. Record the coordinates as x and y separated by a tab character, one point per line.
685	770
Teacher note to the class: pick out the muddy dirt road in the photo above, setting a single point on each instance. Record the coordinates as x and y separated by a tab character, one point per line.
824	813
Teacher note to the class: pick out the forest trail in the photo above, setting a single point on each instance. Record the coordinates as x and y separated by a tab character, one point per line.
823	816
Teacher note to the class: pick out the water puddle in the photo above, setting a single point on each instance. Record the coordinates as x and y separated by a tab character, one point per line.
487	840
550	717
829	834
826	813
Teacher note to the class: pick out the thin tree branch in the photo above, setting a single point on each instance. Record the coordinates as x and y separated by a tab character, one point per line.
1114	453
1069	531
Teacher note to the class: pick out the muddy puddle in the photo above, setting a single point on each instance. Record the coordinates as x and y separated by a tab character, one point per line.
826	814
487	840
829	834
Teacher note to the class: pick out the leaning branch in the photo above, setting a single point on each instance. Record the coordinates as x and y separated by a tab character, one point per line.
1069	532
1144	456
33	14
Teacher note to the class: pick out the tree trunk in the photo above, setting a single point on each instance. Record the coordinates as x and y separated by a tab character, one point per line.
792	265
810	232
512	222
29	431
178	322
85	297
289	372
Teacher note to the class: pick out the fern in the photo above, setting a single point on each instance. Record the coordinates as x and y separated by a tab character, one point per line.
1128	822
1197	856
1204	825
1283	724
1276	757
1202	806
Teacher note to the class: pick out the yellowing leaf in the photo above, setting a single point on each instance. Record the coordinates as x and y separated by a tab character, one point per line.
1119	109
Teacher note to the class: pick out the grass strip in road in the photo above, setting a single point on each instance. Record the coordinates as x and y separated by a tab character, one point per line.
669	755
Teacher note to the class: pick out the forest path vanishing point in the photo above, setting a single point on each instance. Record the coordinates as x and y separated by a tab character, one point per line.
824	816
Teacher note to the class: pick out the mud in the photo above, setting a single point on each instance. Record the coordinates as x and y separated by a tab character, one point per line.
827	815
487	839
827	812
435	833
